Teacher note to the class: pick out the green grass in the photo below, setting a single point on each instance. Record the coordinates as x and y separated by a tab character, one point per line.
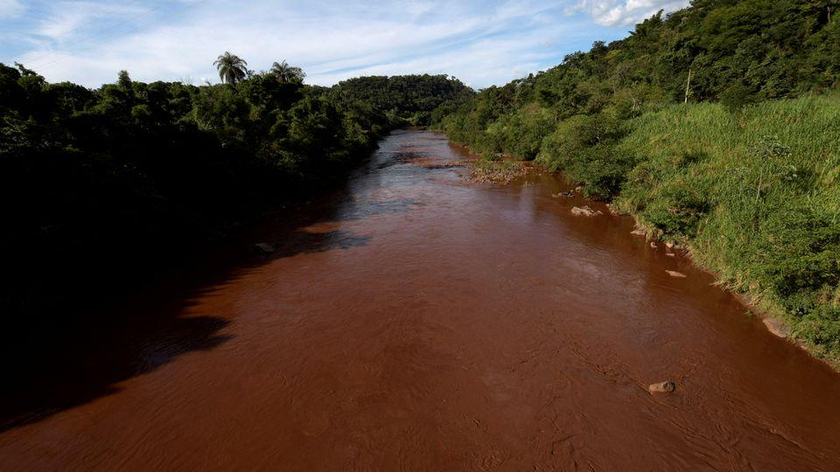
756	195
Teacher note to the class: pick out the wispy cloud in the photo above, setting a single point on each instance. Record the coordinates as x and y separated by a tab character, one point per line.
625	12
481	42
70	21
10	8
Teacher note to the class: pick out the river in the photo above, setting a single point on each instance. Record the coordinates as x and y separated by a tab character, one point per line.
417	321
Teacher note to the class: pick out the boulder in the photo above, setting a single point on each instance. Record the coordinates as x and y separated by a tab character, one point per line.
585	211
664	387
653	245
264	248
639	232
676	274
776	327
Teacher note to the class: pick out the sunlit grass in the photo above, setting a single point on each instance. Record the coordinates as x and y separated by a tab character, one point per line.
757	196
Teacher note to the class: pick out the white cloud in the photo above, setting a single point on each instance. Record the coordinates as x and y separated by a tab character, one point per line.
69	18
10	8
625	12
480	43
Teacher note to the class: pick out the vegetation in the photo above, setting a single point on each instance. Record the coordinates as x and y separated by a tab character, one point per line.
411	98
717	126
95	182
231	68
286	73
758	197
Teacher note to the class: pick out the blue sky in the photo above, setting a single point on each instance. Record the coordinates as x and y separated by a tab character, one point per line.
481	42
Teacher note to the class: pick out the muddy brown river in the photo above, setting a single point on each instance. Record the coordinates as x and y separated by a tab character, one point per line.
418	322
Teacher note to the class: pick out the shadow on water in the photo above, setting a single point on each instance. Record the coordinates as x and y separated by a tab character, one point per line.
84	350
80	352
106	329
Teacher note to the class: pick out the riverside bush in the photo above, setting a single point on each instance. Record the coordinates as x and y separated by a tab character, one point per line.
760	204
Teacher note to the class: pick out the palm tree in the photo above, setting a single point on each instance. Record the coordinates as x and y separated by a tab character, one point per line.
231	68
286	73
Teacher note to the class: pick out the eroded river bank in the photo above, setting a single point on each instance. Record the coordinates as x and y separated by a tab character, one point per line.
420	322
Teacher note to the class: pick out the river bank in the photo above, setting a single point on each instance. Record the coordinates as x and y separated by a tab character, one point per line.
753	195
506	170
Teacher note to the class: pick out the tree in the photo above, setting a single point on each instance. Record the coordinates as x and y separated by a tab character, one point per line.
231	68
286	73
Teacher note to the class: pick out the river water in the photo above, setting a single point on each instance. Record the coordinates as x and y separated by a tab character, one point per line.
416	321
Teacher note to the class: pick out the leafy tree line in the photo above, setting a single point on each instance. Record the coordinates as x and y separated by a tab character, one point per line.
94	181
412	98
736	52
717	127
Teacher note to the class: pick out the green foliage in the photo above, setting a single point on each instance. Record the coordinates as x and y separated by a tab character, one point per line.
739	53
584	147
108	179
285	73
231	67
412	98
757	197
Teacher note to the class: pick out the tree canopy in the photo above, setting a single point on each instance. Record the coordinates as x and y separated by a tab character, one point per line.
153	166
286	73
733	51
231	67
410	97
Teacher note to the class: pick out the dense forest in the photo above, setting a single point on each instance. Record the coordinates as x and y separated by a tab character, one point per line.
95	183
413	98
718	127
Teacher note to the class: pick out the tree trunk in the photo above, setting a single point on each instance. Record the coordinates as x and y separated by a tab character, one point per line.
688	86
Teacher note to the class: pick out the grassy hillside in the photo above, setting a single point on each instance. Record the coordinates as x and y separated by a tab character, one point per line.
757	197
717	126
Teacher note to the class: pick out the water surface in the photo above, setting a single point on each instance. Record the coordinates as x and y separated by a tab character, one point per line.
415	321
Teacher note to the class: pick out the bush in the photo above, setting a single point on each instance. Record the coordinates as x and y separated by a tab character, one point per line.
583	147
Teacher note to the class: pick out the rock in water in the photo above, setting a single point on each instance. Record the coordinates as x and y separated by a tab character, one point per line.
776	327
676	274
664	387
639	232
585	211
265	248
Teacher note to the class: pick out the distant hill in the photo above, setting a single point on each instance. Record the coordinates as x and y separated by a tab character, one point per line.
410	97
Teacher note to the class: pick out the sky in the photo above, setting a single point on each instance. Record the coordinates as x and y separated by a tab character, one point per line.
481	42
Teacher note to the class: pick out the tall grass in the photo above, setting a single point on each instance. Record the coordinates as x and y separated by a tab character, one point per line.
756	194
